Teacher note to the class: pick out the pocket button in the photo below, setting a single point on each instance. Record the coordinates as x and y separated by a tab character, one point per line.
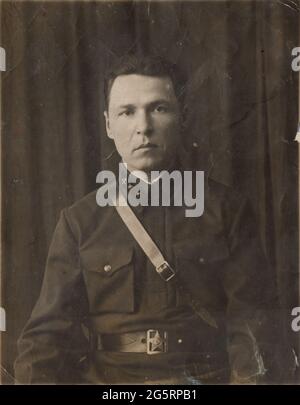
107	268
201	260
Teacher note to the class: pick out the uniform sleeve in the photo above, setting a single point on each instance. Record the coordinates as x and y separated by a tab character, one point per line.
52	342
253	315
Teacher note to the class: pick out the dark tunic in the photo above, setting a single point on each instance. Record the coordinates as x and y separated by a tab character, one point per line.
98	282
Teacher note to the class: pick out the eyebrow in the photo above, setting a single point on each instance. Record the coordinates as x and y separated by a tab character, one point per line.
151	104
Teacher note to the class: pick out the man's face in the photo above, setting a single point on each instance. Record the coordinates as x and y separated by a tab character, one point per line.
143	120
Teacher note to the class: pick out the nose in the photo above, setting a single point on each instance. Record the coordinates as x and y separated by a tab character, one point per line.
144	123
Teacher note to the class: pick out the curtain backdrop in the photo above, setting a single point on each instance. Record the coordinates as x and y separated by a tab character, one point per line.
242	119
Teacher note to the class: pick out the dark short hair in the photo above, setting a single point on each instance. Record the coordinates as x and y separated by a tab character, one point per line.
149	65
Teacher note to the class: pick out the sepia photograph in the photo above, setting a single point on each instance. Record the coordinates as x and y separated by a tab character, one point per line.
150	192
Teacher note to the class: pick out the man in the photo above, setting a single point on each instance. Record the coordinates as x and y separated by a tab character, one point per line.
105	315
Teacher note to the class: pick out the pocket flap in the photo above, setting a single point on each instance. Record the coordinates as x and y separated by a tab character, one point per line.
110	259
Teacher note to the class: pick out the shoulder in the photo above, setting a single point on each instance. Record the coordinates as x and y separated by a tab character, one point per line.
229	204
215	191
87	205
225	194
85	215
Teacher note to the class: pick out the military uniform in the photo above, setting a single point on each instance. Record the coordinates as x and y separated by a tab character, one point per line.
103	308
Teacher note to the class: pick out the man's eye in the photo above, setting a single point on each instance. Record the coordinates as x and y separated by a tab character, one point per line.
126	113
161	109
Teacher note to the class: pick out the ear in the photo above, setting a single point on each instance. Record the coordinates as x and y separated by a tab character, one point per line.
108	131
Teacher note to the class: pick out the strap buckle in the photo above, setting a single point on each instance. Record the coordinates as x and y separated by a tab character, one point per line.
165	271
157	342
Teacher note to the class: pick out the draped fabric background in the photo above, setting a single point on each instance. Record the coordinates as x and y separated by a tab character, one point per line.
242	103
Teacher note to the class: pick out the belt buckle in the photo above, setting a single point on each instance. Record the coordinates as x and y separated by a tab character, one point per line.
157	342
165	271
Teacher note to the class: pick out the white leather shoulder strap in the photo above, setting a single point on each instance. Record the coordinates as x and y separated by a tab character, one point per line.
154	254
143	238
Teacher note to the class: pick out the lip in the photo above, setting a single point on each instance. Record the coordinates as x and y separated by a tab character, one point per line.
146	146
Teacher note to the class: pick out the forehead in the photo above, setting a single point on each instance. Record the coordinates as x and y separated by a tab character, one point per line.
139	89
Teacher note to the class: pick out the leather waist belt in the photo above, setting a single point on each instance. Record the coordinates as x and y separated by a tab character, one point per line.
152	341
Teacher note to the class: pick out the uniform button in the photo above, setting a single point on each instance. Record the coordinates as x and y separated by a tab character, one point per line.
179	341
107	268
201	260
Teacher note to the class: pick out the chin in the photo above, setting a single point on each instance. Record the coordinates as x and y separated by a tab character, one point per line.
148	165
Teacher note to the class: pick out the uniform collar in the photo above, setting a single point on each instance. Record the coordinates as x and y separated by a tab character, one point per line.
140	176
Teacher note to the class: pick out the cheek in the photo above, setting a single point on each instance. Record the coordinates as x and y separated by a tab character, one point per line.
166	124
168	132
122	146
121	133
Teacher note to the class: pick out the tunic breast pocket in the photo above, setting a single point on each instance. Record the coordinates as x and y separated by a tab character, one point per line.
110	280
199	265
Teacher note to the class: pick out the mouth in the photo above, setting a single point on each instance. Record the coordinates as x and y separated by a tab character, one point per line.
146	146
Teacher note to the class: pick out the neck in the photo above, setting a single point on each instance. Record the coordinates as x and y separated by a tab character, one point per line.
146	174
143	175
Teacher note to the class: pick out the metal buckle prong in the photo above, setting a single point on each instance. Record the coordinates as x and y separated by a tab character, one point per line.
165	271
